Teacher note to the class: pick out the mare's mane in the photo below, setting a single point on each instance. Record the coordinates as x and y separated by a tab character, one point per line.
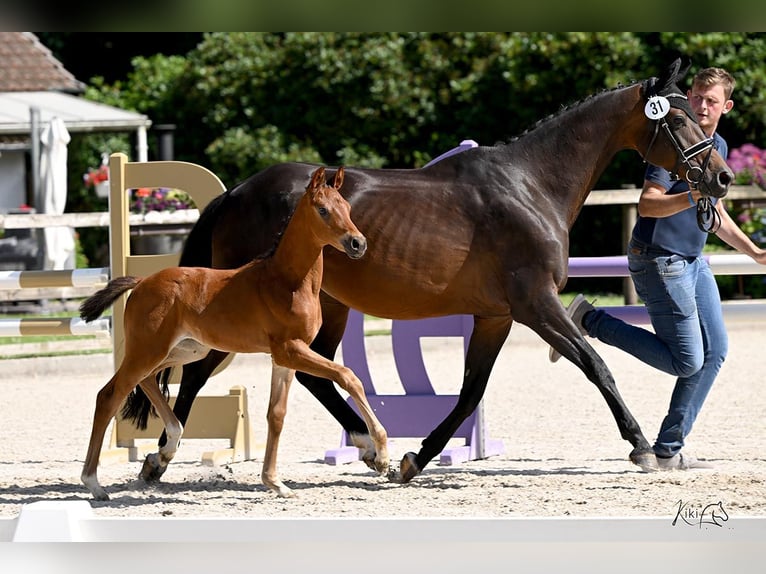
563	110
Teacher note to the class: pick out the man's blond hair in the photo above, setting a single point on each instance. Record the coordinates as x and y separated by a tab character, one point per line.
716	76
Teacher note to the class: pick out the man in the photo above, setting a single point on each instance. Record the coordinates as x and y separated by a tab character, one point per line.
676	284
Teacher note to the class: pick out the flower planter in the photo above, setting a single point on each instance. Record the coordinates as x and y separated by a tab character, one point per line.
102	189
156	244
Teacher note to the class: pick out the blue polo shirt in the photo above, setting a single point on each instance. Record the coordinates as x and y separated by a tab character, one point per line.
677	233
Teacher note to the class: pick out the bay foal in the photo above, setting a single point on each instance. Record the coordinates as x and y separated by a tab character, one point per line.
270	305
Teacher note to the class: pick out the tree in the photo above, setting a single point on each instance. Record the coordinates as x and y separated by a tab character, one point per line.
243	101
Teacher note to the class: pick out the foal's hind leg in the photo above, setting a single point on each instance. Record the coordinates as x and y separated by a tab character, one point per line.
281	377
108	401
156	463
194	377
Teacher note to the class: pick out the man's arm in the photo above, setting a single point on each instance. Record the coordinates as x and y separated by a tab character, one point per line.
655	201
732	235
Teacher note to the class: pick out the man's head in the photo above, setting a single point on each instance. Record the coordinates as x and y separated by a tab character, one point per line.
710	97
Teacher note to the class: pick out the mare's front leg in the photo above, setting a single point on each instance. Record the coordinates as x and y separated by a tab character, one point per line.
155	464
281	377
549	319
487	339
334	318
299	356
108	401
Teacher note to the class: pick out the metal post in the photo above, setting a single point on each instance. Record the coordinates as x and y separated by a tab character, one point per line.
34	122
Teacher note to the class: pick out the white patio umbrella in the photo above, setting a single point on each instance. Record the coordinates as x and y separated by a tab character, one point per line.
59	241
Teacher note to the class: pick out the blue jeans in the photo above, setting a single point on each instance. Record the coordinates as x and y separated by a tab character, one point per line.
689	339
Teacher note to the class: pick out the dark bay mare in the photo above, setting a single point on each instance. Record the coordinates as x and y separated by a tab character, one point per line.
484	232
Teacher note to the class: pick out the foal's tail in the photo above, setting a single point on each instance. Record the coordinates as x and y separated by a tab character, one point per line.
92	308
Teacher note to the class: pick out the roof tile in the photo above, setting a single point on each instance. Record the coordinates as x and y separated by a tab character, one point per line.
27	65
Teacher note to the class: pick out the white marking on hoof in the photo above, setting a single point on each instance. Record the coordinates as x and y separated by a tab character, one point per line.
279	487
91	482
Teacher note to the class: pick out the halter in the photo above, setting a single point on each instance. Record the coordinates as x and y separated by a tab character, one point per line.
708	219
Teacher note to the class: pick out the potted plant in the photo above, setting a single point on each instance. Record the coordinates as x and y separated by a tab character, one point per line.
98	179
156	206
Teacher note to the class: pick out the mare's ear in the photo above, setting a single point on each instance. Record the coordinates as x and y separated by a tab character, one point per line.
339	175
686	63
317	179
675	72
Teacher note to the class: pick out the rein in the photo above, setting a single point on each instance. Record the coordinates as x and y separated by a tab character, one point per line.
708	218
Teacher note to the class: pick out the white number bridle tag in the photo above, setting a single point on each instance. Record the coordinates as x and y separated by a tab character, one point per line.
657	107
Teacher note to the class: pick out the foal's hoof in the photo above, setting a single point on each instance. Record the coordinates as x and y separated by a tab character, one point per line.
369	459
99	494
152	469
645	459
408	469
379	463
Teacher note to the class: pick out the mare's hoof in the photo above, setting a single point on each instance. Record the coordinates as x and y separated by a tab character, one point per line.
645	459
408	470
152	470
101	496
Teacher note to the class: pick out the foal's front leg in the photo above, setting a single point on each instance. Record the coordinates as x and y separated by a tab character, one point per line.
281	377
300	357
156	463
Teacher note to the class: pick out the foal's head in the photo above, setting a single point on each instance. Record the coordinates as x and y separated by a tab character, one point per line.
331	215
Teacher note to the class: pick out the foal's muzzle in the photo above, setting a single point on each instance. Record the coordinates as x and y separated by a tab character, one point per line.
355	246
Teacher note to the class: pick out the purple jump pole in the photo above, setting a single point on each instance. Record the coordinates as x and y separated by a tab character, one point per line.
417	412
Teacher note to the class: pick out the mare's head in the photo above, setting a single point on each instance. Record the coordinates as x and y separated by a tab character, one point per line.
331	215
676	140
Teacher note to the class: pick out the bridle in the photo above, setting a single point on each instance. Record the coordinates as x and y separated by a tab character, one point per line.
708	218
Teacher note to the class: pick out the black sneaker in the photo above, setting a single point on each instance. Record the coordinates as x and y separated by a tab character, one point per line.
576	311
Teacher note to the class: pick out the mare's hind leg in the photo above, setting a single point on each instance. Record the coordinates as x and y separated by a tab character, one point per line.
334	317
549	319
155	464
281	377
297	355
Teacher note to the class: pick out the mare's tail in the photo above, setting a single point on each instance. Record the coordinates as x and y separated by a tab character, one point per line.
197	252
92	308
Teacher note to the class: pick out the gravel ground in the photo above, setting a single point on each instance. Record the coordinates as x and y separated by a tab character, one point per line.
563	455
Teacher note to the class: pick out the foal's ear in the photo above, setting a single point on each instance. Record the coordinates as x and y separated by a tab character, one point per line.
338	180
317	179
